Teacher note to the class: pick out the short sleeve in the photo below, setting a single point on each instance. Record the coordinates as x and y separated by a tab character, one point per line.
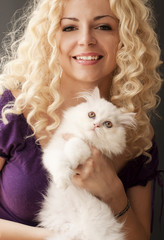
138	171
11	138
10	133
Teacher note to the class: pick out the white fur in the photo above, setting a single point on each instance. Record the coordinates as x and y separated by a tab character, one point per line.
71	212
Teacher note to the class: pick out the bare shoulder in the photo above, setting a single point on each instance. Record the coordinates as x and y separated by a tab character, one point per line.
140	201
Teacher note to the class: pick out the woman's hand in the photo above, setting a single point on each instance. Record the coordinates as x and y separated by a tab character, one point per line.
98	176
16	231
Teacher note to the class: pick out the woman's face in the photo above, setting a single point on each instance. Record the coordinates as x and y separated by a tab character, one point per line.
88	40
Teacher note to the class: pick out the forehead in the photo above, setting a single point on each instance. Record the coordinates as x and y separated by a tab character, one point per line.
84	8
103	108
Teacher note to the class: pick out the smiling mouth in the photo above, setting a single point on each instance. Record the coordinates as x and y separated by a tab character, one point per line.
88	58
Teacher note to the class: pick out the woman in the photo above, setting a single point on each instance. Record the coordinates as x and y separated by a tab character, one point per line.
67	47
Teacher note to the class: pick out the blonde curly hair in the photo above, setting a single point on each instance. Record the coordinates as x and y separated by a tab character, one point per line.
35	65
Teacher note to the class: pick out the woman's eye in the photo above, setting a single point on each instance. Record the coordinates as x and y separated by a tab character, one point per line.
108	124
104	27
69	29
91	115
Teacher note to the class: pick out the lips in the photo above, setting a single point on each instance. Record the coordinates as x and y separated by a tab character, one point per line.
87	58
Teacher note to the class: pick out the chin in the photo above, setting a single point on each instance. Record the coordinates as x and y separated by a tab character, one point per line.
88	76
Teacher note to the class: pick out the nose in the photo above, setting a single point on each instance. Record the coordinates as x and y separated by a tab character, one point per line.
87	38
96	125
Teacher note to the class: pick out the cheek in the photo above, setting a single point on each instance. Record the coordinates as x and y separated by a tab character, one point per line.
60	42
65	52
112	51
66	44
111	45
111	57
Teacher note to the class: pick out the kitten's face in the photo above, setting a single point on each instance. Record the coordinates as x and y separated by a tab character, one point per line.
100	123
98	119
101	118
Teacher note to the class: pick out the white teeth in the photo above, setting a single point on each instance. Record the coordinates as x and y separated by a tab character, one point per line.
87	58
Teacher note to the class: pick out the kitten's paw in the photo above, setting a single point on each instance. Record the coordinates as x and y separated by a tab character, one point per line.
77	152
63	179
62	174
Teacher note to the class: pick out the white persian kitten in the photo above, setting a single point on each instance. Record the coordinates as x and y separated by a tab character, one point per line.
71	212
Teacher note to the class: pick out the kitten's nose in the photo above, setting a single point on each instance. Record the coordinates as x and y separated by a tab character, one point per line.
96	125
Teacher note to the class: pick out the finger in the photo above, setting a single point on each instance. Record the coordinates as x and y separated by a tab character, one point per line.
76	180
81	167
78	169
95	153
85	171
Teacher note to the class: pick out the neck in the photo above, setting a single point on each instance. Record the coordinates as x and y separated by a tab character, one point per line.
70	89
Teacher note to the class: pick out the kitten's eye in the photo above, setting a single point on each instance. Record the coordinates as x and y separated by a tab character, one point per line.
91	115
108	124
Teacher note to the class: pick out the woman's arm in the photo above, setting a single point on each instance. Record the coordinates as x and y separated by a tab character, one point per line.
99	177
138	218
16	231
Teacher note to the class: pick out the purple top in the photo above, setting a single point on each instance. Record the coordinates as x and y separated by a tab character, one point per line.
23	179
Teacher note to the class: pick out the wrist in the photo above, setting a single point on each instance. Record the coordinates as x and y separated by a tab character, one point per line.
116	197
121	213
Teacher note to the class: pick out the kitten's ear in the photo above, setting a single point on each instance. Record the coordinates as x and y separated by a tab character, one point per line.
90	96
95	93
128	119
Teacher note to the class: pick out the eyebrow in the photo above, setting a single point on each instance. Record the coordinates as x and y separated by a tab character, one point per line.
99	17
95	18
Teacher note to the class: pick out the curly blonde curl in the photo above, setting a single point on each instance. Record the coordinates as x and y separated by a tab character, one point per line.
137	81
35	64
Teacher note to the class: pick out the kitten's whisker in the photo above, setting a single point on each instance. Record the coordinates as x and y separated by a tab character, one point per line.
99	132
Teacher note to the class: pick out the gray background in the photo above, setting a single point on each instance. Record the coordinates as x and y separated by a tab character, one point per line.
7	9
